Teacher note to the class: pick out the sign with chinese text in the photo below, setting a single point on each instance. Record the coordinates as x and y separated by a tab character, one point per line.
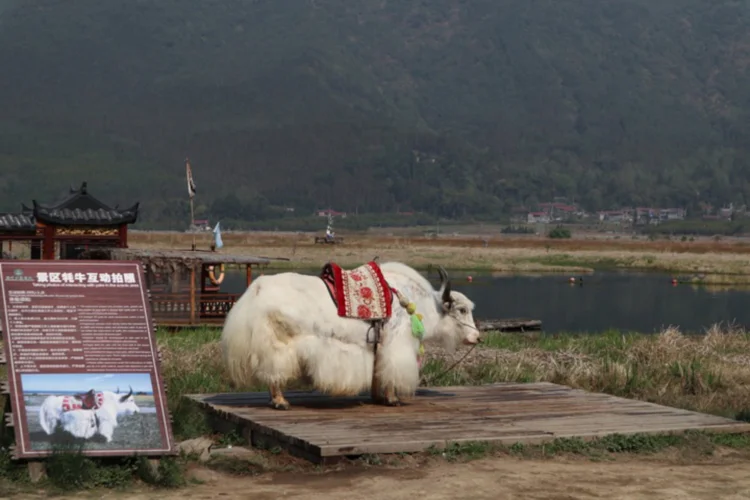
82	359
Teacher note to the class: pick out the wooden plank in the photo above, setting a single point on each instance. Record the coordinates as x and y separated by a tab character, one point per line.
321	428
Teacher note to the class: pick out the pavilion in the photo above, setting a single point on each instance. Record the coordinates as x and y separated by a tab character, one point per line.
65	229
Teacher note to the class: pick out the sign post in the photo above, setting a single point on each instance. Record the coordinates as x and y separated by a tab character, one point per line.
81	356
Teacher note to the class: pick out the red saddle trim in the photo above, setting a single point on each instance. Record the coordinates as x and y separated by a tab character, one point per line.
361	293
83	402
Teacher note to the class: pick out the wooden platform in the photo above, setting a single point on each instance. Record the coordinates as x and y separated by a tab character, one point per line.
321	428
510	325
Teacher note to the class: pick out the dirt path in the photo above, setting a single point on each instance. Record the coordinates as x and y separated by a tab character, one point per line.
495	478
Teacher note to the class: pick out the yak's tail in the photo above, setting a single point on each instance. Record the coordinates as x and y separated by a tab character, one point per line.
48	417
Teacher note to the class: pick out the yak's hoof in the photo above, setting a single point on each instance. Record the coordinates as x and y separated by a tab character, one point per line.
284	405
389	401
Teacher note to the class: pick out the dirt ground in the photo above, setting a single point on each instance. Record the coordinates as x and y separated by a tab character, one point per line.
498	478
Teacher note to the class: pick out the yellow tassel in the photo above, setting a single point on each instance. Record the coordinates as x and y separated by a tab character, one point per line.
402	299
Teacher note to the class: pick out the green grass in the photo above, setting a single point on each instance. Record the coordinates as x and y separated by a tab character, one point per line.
703	443
68	470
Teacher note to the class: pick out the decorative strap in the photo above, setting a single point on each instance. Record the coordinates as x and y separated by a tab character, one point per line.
417	326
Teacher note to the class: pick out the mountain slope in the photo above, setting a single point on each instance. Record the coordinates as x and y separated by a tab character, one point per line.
454	108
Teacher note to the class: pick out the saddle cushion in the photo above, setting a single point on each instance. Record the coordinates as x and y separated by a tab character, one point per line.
70	403
360	293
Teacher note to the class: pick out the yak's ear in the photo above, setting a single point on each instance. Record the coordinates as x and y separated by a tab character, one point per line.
446	305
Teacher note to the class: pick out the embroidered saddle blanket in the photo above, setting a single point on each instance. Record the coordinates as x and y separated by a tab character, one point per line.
88	401
359	293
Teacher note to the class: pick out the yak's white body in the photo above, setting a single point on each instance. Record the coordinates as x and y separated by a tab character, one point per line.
285	327
79	422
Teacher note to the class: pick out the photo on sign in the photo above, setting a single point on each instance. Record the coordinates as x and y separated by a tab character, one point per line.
102	411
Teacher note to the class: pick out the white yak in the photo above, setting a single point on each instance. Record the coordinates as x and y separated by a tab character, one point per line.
74	418
286	327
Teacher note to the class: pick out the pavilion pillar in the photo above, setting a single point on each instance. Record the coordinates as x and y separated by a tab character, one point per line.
48	244
122	234
204	277
192	295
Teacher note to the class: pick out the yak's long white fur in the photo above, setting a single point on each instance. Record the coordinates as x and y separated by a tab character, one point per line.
285	327
77	421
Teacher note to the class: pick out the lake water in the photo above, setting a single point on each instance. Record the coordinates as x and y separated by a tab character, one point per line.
643	302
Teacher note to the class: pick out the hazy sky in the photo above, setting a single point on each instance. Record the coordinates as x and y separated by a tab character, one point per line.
85	381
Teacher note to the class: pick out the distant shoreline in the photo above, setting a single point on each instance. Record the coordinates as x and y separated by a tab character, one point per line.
724	259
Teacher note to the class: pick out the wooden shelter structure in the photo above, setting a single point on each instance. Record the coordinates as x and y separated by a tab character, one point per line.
69	227
183	285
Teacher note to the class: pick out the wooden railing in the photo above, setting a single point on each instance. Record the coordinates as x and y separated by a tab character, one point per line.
175	308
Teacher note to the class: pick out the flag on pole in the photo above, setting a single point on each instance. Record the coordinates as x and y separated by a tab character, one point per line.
217	237
190	183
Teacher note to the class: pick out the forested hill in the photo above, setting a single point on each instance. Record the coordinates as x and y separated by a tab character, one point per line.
446	106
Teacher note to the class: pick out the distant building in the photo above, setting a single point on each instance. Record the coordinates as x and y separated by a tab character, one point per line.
616	216
559	211
538	217
201	225
330	212
657	215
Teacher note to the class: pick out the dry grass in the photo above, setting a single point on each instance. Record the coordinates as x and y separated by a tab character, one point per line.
708	373
365	239
490	253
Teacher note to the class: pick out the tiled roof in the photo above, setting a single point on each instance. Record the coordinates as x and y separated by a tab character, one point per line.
82	208
17	222
89	216
79	208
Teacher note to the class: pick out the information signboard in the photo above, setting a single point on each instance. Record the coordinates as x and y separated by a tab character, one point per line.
82	359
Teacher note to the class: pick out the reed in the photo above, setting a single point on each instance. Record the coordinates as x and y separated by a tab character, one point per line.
708	373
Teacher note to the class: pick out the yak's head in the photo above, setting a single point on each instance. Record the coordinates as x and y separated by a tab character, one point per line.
126	404
456	324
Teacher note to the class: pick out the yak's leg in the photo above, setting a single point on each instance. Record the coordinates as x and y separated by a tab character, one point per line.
386	397
375	386
278	402
390	398
389	394
375	389
383	395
